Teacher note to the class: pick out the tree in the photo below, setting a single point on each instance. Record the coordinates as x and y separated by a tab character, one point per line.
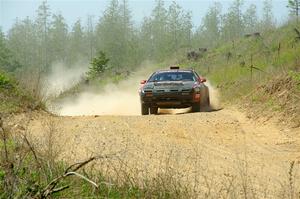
154	33
114	34
77	43
58	38
174	25
187	27
90	37
250	19
294	6
233	26
42	29
209	32
98	66
8	62
23	43
268	16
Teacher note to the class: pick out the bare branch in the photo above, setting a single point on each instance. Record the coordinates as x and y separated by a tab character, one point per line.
82	177
32	150
60	189
79	165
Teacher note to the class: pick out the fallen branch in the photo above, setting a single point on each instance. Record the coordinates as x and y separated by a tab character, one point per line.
70	171
32	150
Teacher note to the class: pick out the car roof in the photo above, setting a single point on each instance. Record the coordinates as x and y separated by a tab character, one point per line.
175	70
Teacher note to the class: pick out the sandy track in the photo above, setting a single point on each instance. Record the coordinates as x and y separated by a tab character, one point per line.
220	142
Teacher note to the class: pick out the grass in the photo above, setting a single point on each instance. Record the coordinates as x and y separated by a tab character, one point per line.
275	56
14	99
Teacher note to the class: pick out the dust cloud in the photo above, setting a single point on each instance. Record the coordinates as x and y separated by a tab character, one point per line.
121	99
214	96
61	78
114	99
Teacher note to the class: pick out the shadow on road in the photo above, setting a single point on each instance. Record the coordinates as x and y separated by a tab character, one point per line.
184	111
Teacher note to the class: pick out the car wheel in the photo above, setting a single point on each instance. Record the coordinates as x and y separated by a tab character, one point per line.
205	105
153	110
208	101
144	109
196	107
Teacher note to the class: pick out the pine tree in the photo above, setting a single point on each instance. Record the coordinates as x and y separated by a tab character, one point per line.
42	29
114	33
251	19
23	43
174	26
58	38
8	63
294	6
76	43
208	33
159	33
98	66
233	25
90	38
268	16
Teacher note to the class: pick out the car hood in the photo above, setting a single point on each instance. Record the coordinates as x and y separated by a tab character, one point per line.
179	85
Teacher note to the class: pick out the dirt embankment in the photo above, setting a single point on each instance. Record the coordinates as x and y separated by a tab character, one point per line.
277	101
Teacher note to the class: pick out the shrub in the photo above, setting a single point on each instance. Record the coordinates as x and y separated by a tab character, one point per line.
4	81
98	66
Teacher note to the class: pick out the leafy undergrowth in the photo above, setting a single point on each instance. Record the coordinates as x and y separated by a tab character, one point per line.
14	99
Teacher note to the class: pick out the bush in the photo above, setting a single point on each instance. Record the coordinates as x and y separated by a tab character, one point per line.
98	66
4	81
296	77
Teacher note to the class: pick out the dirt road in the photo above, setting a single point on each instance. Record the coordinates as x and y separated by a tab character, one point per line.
216	143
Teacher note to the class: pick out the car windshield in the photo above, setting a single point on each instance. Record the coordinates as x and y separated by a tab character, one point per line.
172	76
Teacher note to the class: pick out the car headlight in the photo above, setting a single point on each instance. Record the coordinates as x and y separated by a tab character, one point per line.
196	89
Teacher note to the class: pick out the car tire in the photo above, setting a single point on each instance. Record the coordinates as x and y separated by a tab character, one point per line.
144	109
208	101
153	110
196	107
204	107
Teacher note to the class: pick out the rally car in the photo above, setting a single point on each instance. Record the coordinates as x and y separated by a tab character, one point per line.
174	88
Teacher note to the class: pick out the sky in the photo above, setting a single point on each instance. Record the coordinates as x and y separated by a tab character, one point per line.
73	10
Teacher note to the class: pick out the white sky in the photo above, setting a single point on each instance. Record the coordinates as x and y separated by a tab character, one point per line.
75	9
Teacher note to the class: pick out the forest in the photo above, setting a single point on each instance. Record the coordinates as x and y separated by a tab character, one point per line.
32	46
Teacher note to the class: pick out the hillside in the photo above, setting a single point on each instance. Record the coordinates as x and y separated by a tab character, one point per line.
15	99
260	73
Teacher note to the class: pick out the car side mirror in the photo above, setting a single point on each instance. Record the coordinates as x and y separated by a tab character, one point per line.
143	81
202	80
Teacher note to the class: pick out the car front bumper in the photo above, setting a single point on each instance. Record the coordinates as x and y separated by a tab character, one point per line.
170	100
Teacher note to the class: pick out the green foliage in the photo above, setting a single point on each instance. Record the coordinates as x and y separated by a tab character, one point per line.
13	98
294	6
296	77
210	31
168	31
98	66
4	81
8	62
